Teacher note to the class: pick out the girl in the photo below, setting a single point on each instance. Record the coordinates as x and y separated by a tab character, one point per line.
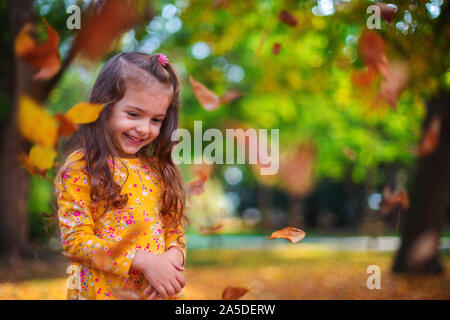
119	174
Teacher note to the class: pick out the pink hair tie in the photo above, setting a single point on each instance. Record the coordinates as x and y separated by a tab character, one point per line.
162	59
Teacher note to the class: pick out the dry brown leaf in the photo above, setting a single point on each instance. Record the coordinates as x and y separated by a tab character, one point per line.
66	127
297	169
233	293
288	18
394	83
294	235
276	48
103	23
387	12
373	52
230	96
364	78
206	97
349	153
430	140
44	56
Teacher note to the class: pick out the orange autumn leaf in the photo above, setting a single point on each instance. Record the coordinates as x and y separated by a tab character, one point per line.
276	48
395	82
349	153
387	12
103	23
430	140
230	96
373	52
216	226
206	97
66	127
294	235
44	56
233	293
288	18
297	169
202	172
84	112
36	124
364	78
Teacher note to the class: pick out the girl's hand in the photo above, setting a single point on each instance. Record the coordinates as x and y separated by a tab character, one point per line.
162	271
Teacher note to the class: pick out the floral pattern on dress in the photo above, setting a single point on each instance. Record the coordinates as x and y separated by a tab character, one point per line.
85	226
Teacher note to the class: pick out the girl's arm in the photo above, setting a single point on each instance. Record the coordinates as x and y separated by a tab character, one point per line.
175	238
77	226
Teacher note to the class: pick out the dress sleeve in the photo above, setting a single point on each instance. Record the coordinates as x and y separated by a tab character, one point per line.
76	224
175	237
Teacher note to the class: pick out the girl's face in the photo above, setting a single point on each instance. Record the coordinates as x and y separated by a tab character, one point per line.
136	119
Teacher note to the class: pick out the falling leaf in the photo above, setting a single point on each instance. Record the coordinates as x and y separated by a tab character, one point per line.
364	78
288	18
261	43
40	157
206	97
276	48
196	187
44	56
84	112
395	82
387	12
230	96
36	124
430	140
66	127
373	52
297	169
294	235
216	226
349	153
233	293
103	23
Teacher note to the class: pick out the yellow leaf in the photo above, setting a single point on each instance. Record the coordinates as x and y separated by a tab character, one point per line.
84	112
41	157
36	123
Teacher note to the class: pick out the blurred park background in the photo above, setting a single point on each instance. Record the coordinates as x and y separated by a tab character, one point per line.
361	101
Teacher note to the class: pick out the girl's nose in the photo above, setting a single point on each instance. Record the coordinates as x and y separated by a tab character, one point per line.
143	129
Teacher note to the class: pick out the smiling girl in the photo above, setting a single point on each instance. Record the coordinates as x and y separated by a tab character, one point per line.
119	173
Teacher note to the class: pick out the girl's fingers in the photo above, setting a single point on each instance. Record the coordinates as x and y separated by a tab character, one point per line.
169	289
162	292
153	295
176	286
180	278
179	268
148	290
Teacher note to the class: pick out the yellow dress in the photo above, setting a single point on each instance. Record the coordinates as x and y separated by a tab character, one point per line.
85	229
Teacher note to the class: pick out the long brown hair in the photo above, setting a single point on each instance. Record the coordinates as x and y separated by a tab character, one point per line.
94	138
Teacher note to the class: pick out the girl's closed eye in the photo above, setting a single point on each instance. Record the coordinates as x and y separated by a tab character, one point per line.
157	120
132	114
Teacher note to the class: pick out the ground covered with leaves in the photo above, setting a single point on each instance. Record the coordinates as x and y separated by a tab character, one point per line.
293	272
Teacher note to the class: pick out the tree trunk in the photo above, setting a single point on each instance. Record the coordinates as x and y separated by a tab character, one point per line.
14	184
423	223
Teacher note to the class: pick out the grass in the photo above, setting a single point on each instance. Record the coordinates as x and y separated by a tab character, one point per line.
289	272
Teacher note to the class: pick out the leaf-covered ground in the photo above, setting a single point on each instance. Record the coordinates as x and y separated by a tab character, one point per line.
294	272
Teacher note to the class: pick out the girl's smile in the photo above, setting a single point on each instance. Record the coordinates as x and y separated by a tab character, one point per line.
136	119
